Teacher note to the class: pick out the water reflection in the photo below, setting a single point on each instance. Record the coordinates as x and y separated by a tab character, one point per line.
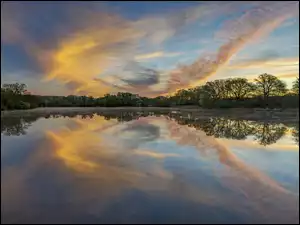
141	167
265	133
295	133
16	126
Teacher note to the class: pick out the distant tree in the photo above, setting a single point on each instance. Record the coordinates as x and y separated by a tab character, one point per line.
269	85
214	94
18	89
295	87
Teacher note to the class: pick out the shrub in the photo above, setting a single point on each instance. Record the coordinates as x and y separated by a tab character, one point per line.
23	105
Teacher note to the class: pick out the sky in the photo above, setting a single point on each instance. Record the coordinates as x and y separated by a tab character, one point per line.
147	48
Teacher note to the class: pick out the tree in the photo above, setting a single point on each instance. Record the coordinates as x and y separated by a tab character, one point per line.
18	89
239	88
216	89
295	87
213	91
184	96
268	85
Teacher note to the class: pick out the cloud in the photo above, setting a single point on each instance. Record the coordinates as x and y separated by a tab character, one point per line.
149	55
136	75
156	155
252	25
86	52
157	55
267	55
263	62
11	31
290	22
83	49
161	27
288	75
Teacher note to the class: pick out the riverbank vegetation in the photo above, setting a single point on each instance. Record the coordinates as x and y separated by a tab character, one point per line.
267	91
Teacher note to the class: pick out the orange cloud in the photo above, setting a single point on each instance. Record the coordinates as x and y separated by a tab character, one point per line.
85	55
265	64
67	143
288	75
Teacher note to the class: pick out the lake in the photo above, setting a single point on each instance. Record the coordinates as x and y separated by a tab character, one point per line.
147	167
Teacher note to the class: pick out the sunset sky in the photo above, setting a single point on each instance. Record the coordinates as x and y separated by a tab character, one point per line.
93	48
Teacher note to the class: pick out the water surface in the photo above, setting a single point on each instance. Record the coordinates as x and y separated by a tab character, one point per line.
162	167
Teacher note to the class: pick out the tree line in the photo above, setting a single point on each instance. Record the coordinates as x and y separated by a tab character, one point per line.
266	91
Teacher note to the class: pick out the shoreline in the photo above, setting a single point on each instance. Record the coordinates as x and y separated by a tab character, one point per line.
275	115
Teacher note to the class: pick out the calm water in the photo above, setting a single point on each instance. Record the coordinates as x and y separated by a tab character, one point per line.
148	168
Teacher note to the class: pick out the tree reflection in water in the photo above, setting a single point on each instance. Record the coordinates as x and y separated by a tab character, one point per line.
267	134
264	133
295	133
227	128
16	126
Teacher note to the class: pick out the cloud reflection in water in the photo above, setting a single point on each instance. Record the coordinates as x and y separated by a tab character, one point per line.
110	156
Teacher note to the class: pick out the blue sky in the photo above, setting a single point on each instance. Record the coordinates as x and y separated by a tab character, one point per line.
95	48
